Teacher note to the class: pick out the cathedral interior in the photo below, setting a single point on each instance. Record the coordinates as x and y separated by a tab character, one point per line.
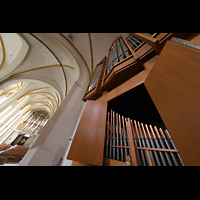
100	99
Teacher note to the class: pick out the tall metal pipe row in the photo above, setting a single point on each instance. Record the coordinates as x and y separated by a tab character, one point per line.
154	146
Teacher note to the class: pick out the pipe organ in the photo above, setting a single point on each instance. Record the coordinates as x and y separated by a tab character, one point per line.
94	87
134	42
152	146
119	127
117	139
125	59
122	64
117	53
34	122
31	126
121	140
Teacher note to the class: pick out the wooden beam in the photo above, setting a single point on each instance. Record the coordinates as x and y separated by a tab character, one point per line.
131	133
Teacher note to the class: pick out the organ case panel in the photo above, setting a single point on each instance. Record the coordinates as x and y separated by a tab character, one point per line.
88	142
174	86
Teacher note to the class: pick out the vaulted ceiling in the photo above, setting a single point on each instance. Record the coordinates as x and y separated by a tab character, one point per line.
51	62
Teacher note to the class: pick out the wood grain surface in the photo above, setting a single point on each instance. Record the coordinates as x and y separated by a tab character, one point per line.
174	86
88	143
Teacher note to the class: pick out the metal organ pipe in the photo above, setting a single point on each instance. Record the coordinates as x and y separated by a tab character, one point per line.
152	147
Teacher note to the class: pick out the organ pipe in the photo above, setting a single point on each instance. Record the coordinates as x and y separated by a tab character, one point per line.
154	147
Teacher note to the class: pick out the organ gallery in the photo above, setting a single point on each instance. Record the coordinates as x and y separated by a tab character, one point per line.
139	117
101	99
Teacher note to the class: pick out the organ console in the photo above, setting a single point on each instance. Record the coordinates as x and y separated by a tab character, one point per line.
111	134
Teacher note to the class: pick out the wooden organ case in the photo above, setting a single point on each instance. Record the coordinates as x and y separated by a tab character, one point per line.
153	124
94	87
123	63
